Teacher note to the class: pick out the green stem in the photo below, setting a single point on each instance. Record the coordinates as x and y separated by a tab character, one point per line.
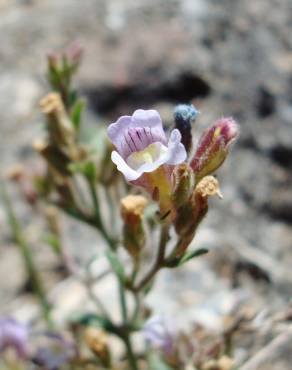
159	262
126	336
27	257
98	219
130	354
137	308
123	303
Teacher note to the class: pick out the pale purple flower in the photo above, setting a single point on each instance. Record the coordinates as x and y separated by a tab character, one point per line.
160	332
142	145
14	334
54	351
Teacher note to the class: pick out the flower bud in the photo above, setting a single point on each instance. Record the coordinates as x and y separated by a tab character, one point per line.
53	61
132	210
60	127
191	213
73	54
96	340
213	147
184	115
183	179
58	162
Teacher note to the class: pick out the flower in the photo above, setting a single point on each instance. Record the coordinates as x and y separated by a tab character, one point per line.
142	146
14	335
160	332
214	146
53	350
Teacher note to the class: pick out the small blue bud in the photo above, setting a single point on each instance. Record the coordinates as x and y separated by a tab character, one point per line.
184	115
185	112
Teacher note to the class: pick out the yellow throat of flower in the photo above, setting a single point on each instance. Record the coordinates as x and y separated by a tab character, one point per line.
147	155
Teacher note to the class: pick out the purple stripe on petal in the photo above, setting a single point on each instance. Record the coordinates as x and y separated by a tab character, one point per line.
137	131
116	132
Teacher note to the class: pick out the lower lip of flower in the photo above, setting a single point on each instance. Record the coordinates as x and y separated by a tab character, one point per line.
149	155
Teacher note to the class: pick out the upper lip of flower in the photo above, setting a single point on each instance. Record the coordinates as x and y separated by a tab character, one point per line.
143	133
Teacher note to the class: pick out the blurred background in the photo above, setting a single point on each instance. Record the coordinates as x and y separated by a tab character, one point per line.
227	57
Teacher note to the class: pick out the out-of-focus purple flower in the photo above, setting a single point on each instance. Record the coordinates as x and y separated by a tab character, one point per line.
213	146
54	351
14	334
142	146
160	333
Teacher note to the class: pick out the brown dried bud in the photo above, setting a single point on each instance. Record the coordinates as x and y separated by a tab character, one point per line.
56	159
97	340
190	215
132	209
60	127
208	187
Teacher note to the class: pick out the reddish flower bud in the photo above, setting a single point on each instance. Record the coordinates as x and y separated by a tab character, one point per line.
74	53
214	146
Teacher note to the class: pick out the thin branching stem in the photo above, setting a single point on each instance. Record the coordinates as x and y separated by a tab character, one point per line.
158	264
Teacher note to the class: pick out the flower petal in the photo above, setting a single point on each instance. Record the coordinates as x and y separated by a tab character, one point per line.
150	119
123	167
116	133
136	132
176	150
136	166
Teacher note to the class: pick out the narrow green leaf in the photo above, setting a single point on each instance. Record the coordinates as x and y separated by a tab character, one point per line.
76	113
91	319
192	254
